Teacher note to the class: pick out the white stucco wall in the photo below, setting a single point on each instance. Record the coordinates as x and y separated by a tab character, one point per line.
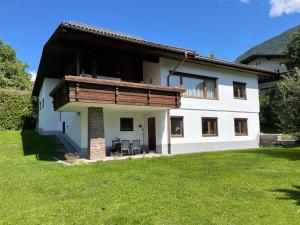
49	120
226	101
151	73
112	126
226	132
226	108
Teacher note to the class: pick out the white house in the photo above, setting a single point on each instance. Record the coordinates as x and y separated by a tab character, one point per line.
96	86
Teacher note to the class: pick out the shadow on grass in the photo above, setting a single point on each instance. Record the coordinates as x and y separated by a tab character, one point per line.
290	194
292	153
43	147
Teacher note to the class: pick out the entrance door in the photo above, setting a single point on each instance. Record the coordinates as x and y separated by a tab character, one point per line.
151	134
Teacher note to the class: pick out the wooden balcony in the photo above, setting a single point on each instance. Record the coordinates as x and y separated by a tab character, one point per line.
90	90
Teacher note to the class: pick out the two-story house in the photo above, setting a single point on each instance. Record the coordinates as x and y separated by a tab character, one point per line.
95	86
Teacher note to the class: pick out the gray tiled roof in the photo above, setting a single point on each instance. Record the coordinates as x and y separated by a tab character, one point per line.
138	40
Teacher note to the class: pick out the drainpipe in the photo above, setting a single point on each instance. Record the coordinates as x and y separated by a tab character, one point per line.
176	67
168	110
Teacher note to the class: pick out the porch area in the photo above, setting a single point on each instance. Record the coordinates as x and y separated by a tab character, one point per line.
115	118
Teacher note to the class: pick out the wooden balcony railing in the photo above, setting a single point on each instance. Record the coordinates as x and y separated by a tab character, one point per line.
90	90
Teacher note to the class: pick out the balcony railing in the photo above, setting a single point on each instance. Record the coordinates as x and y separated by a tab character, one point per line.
90	90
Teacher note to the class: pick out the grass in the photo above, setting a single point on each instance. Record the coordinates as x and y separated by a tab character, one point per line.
259	186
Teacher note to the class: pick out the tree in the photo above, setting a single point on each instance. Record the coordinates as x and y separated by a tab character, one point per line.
268	112
288	95
13	73
288	89
293	52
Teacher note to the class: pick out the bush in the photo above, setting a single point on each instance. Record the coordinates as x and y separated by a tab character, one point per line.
268	112
17	110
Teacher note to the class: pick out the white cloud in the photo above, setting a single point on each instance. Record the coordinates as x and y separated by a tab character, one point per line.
245	1
279	7
33	75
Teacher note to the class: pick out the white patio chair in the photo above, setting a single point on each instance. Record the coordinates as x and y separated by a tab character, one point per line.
125	147
136	147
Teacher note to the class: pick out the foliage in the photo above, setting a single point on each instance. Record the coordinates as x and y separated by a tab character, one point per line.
288	96
268	112
293	53
13	73
17	110
229	187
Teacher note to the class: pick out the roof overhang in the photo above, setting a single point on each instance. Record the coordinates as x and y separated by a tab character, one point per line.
256	56
70	38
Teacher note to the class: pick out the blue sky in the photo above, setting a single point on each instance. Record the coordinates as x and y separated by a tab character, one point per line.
225	27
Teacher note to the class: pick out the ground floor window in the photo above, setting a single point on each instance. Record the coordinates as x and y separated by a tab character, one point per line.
126	124
209	126
240	126
177	126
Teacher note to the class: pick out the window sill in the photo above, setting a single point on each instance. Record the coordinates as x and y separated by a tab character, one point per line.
241	135
177	136
210	135
240	98
200	98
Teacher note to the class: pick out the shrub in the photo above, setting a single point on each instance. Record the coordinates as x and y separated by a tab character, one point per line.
17	110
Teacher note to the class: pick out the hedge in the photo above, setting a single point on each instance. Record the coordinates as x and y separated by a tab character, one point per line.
17	110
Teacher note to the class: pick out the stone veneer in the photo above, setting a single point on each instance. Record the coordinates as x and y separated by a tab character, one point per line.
96	137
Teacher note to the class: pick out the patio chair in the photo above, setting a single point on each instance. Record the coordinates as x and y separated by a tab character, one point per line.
125	147
115	146
136	147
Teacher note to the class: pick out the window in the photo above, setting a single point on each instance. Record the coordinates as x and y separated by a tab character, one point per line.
209	126
240	126
176	126
175	81
43	103
239	90
195	85
126	124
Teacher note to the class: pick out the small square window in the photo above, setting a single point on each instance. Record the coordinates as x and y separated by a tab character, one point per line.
126	124
176	126
209	126
239	90
240	126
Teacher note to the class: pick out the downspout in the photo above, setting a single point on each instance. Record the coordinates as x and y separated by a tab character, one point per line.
176	67
168	110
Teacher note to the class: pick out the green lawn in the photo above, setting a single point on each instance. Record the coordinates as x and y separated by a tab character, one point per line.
233	187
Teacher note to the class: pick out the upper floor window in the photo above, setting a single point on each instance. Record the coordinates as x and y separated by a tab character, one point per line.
209	126
194	85
177	126
239	90
240	126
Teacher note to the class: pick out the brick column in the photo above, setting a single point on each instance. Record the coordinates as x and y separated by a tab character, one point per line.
96	137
